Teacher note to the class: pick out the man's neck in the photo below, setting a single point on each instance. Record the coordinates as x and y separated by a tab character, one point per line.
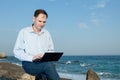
35	29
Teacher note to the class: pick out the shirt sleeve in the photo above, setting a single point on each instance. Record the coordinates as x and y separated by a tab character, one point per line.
19	48
51	45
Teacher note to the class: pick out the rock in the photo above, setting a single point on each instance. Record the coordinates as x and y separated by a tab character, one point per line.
9	71
3	55
26	76
91	75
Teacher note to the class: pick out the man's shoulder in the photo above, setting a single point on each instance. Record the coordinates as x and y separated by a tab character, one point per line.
45	31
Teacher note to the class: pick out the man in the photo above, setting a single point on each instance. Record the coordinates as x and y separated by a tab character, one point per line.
32	43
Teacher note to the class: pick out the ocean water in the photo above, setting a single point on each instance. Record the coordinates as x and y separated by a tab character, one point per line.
76	67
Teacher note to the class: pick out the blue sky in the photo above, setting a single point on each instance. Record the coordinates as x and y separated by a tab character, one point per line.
78	27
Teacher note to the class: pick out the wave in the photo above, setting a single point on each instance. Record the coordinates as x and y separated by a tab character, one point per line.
80	76
84	64
72	76
69	62
109	75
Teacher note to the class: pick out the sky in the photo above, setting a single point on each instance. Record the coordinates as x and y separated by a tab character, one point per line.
77	27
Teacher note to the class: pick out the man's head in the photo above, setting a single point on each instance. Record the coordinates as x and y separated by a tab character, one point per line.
40	11
39	19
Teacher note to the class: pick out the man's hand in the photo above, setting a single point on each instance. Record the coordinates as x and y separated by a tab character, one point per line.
38	56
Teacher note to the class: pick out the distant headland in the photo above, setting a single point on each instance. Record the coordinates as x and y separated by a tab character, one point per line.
3	55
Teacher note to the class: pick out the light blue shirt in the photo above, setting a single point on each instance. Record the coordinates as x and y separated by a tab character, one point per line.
29	44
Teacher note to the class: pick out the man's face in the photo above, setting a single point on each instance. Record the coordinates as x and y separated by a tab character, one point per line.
40	21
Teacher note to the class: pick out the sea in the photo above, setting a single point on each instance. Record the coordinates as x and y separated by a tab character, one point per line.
76	67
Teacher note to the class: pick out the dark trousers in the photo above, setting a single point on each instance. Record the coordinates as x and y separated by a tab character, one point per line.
38	69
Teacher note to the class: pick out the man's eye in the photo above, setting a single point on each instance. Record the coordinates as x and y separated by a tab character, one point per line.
39	21
44	22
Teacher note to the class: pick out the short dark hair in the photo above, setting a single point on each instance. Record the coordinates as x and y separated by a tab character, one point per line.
40	11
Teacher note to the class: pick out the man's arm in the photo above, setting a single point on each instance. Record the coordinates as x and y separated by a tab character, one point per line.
19	49
51	45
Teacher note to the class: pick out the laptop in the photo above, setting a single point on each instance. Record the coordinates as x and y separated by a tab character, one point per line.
50	56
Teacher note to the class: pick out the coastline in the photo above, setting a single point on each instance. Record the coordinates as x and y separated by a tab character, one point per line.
78	66
10	71
15	72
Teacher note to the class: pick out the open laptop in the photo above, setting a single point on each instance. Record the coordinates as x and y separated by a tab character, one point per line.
50	56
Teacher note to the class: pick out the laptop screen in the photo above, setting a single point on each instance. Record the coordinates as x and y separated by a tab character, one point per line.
50	56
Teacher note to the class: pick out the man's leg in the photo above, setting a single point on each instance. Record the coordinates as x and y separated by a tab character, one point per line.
38	68
33	68
50	71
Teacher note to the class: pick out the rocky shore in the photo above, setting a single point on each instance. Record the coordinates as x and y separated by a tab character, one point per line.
9	71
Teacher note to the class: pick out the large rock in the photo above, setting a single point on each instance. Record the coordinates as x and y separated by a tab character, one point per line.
9	71
3	55
91	75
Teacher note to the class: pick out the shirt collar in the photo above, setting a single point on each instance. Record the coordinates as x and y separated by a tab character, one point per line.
32	31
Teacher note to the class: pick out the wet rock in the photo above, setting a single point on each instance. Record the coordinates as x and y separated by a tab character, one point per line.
91	75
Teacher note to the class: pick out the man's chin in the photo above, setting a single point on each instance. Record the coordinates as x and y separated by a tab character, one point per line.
40	28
